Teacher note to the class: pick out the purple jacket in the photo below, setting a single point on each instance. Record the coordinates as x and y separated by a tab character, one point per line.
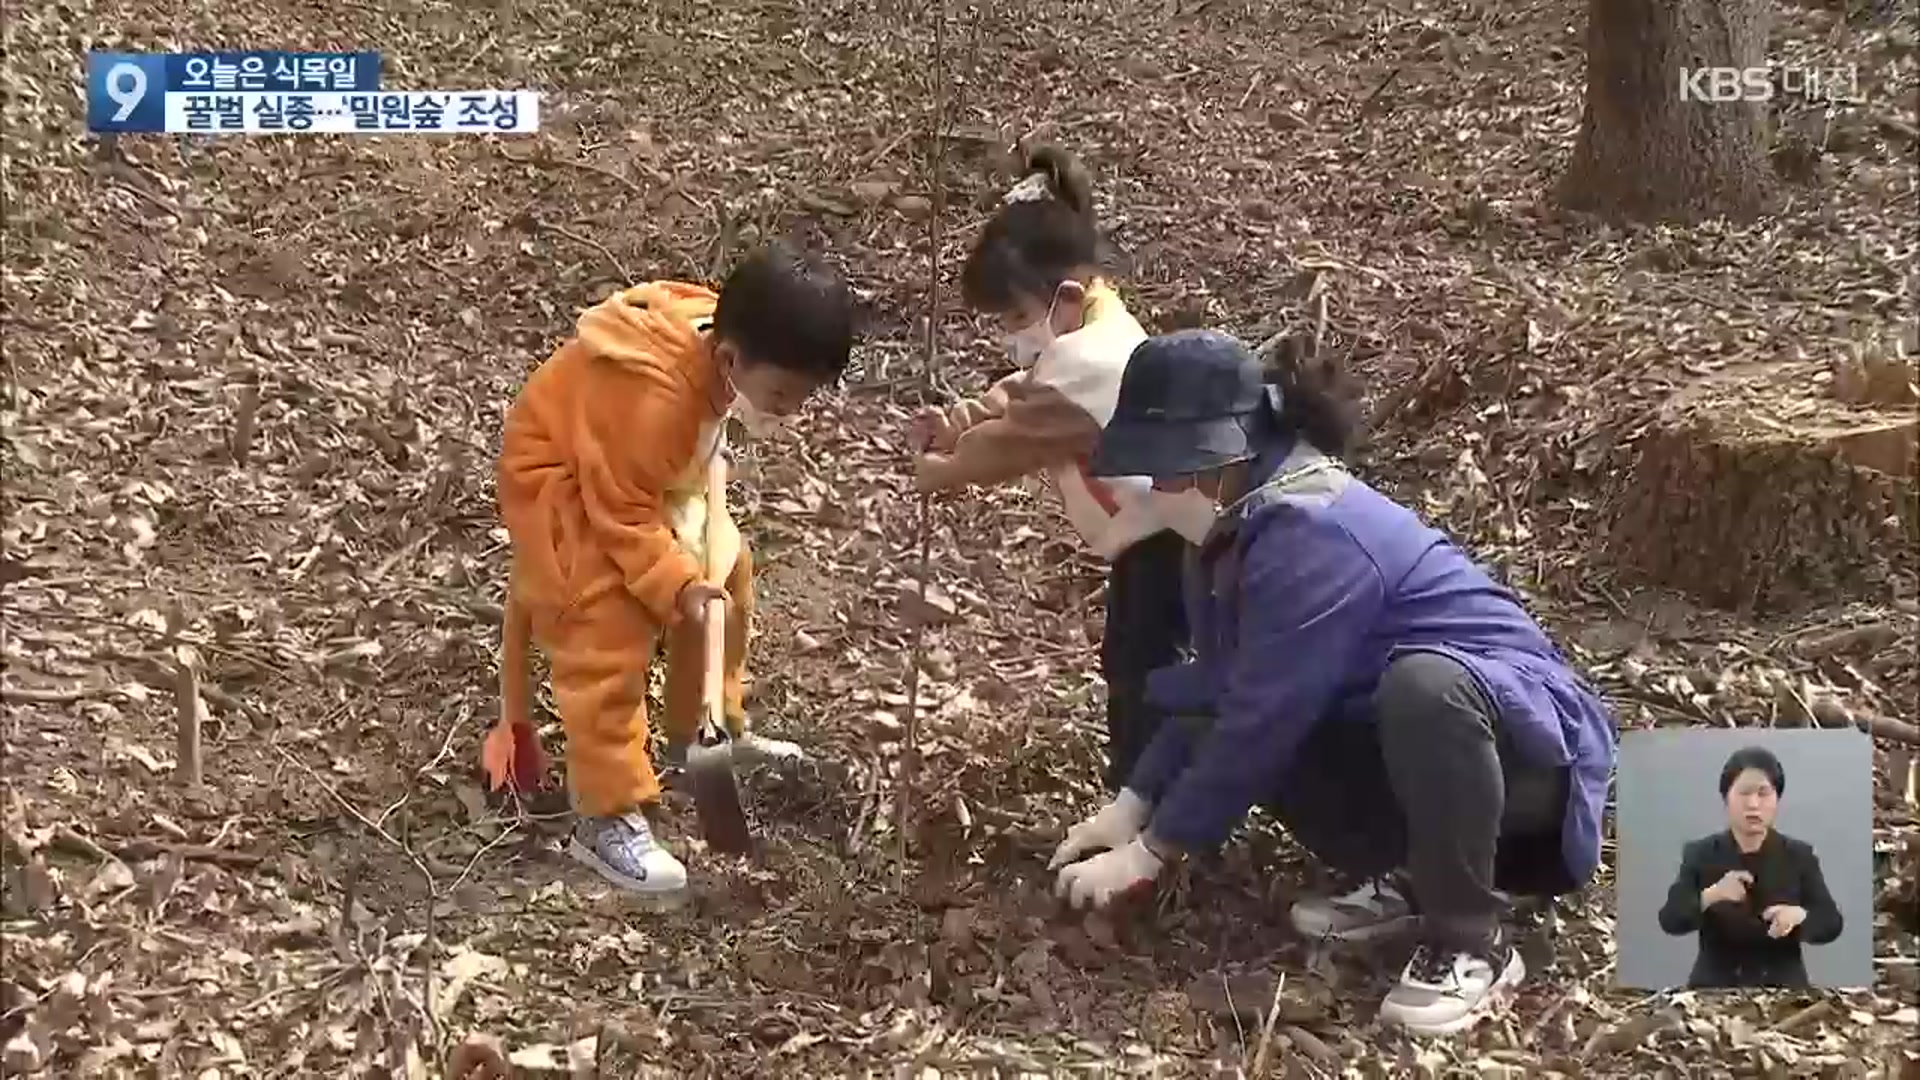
1305	591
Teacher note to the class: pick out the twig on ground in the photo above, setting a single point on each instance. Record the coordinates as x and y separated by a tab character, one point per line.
612	259
1367	103
431	944
36	695
187	705
1252	85
354	811
1259	1068
1311	1044
142	850
277	993
1546	1017
446	744
1800	1018
393	808
867	801
1886	727
244	417
543	162
723	240
467	871
184	661
65	836
884	152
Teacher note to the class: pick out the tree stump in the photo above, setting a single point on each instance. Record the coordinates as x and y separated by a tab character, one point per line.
1644	152
1754	518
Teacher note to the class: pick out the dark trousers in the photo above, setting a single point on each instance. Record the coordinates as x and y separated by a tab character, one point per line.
1428	784
1146	629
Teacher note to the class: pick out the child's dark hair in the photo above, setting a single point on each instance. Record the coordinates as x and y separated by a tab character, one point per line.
783	307
1317	398
1759	759
1028	248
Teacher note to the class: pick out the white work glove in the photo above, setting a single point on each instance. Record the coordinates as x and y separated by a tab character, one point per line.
1099	881
1117	823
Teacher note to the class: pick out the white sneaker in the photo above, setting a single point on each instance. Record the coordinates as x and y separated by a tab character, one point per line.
622	850
1375	909
1442	992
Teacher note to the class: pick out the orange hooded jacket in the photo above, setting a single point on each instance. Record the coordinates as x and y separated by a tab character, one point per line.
621	417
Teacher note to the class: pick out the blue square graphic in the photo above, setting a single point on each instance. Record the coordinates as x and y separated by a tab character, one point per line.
126	92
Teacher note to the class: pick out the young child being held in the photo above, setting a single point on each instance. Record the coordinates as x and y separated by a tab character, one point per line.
603	476
1035	270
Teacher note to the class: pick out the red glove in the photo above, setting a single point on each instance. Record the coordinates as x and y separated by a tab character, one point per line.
513	759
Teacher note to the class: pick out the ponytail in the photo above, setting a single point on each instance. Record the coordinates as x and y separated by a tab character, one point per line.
1318	401
1041	235
1067	181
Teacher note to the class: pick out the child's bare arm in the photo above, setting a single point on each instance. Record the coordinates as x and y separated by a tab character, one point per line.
1037	427
994	401
937	429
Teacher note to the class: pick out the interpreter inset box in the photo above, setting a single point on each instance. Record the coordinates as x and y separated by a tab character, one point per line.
1744	859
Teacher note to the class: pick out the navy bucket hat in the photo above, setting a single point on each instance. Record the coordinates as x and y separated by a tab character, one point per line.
1190	401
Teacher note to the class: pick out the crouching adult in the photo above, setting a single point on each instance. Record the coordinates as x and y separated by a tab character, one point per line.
1359	676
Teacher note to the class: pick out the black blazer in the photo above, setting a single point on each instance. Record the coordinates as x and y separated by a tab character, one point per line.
1735	950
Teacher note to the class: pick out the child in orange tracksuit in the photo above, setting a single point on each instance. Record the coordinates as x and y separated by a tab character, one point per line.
603	474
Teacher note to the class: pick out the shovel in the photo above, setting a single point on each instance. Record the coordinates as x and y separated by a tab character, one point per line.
709	772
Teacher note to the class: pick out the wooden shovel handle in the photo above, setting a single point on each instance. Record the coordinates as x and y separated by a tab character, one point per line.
716	623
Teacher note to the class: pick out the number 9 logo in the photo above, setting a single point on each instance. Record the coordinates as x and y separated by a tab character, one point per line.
127	88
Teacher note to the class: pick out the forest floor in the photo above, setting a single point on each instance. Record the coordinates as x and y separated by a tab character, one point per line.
339	878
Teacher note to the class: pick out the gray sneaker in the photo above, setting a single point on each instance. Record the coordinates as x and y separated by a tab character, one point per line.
622	850
1444	991
1375	909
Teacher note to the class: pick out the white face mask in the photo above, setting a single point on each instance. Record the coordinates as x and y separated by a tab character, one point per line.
1026	345
1191	513
759	424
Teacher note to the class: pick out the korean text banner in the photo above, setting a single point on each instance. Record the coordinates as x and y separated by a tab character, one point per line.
411	112
126	92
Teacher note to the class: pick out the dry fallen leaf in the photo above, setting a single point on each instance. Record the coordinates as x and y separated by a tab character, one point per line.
478	1057
22	1055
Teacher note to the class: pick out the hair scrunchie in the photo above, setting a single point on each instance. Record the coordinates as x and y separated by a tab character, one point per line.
1032	188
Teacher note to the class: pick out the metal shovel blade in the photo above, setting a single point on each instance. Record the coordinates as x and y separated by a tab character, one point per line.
716	798
709	775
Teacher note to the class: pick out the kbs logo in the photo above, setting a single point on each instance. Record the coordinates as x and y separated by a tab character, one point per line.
1839	86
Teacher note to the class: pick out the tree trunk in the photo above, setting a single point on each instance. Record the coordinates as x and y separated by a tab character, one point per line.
1645	151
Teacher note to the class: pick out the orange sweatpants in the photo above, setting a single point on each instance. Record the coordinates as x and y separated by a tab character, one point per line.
599	652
